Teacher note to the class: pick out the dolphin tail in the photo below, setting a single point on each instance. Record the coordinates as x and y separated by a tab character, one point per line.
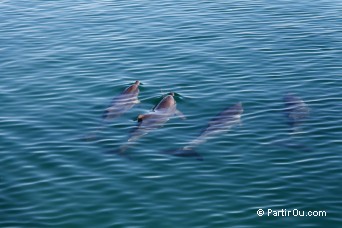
181	152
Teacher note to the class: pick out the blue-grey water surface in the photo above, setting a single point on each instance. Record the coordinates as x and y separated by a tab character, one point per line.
62	62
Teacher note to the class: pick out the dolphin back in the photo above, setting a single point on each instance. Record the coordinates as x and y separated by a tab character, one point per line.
122	103
166	103
133	89
228	117
232	111
218	125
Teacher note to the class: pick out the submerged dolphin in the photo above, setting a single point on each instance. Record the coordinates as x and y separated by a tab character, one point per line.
296	110
122	103
155	119
219	124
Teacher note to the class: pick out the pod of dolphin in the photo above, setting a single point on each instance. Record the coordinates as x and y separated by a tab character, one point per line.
296	110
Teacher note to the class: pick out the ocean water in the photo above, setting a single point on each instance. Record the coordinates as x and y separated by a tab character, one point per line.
62	62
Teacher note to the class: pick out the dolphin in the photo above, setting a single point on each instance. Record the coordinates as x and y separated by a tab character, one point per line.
219	124
153	120
119	105
123	102
296	110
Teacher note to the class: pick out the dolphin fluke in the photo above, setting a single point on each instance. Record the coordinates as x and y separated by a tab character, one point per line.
181	152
